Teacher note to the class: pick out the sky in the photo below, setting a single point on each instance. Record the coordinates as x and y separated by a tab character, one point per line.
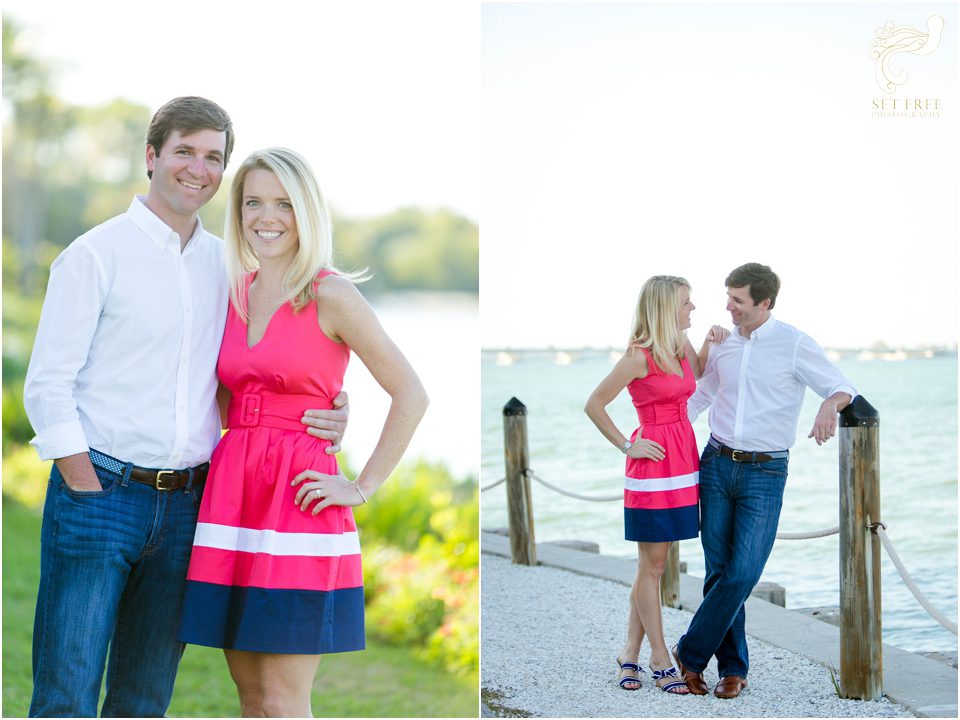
625	140
596	143
380	97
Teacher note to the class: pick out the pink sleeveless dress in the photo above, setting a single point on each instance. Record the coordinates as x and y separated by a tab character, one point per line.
661	498
265	576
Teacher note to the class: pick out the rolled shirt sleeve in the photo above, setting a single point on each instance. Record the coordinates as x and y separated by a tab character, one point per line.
812	367
75	297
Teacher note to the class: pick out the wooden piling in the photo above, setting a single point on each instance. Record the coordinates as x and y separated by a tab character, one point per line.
523	549
670	580
861	639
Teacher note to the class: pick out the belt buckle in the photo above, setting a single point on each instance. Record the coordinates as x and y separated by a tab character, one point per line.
742	456
158	484
250	409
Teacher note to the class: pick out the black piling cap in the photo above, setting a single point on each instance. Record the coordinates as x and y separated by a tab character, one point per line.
859	413
514	407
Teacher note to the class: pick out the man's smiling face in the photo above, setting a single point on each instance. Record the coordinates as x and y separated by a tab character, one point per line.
186	172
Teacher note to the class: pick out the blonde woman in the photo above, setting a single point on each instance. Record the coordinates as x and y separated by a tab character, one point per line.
275	577
659	369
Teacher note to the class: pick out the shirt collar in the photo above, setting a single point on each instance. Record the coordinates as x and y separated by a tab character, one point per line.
761	332
155	228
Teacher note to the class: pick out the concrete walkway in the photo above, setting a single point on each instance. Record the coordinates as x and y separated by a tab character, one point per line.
923	686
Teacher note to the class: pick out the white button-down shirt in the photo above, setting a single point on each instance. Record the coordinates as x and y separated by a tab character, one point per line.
126	350
754	386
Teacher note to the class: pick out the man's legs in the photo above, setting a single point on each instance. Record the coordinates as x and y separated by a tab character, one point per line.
740	510
83	568
717	512
145	653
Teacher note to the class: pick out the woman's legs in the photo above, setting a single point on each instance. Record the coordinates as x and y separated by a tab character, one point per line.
653	559
646	597
635	633
273	685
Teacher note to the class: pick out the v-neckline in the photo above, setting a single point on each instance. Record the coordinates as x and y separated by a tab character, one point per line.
671	373
266	329
683	373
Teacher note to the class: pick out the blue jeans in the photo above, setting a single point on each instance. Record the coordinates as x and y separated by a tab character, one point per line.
112	570
740	508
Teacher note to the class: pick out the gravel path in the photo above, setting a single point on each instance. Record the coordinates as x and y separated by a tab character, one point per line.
549	639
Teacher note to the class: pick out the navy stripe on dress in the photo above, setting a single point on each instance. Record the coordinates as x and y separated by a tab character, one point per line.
661	525
307	622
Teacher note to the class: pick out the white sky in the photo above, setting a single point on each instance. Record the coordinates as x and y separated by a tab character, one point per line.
381	97
619	140
631	139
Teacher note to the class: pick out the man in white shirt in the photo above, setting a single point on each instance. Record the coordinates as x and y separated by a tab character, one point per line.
121	392
754	384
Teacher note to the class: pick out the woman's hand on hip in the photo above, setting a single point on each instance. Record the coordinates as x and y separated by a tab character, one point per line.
648	449
324	491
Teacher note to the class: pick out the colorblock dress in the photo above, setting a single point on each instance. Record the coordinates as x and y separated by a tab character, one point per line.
265	576
661	499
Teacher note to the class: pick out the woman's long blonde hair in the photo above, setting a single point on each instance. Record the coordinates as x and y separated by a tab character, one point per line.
314	229
655	324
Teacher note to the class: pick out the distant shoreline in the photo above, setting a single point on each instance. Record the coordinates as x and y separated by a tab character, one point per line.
569	355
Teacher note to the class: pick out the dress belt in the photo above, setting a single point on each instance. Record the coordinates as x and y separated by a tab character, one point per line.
276	410
662	413
746	455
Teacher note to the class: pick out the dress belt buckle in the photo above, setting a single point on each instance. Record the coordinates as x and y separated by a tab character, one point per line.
740	456
250	410
171	484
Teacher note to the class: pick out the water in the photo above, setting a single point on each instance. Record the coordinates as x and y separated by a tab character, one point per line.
917	402
437	332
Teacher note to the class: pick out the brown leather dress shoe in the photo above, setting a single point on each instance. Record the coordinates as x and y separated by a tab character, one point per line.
694	680
729	687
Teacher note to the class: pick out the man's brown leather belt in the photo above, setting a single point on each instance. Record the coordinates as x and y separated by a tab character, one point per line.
745	455
158	479
170	479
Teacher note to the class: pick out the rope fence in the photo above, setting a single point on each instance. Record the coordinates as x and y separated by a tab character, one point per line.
878	528
492	485
881	531
605	498
612	498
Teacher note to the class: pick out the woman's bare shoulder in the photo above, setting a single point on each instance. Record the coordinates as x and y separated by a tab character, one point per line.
635	360
333	288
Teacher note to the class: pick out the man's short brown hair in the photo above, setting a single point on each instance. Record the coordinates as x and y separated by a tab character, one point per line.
189	114
764	283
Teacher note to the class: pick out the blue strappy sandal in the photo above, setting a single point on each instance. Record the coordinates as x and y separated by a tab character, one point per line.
673	681
626	679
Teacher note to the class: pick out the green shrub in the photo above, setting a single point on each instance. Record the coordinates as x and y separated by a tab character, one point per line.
404	509
16	426
25	475
456	644
421	557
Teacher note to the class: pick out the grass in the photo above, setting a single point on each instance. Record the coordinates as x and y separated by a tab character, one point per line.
381	681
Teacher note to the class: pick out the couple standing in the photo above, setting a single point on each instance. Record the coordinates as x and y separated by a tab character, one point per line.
139	321
753	380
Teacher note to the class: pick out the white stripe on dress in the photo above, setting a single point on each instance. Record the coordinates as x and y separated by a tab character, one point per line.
657	484
271	542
